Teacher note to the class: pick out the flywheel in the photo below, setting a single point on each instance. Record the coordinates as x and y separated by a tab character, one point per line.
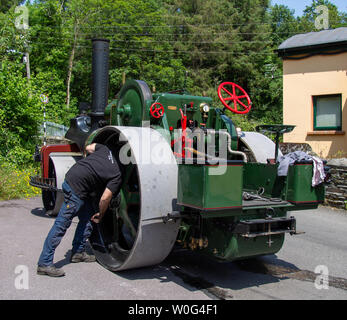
134	232
131	103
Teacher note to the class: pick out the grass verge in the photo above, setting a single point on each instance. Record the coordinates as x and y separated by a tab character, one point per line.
14	182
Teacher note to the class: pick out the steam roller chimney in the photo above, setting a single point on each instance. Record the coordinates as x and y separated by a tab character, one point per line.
100	67
83	125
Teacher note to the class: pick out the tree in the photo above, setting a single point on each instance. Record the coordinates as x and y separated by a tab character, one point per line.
283	24
20	114
50	34
135	29
5	5
78	13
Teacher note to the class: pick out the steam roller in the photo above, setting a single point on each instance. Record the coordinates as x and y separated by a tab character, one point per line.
190	178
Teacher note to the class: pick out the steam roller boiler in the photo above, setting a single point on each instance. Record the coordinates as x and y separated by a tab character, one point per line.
190	177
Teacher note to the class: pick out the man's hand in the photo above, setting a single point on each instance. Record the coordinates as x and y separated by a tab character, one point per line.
96	218
103	206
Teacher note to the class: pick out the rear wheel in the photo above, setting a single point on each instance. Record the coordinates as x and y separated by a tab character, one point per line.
49	197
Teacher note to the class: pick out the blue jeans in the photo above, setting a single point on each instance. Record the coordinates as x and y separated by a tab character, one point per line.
73	206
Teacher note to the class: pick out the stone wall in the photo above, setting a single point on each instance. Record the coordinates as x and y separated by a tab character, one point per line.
336	190
288	147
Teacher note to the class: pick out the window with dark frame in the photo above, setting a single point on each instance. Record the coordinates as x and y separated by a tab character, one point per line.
327	112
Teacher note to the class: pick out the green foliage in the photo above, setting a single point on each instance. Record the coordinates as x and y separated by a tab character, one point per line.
19	114
14	182
5	5
54	87
283	23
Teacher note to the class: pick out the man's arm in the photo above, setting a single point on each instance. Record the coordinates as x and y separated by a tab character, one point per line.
103	205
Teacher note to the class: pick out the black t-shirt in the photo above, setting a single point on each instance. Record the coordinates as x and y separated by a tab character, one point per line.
94	173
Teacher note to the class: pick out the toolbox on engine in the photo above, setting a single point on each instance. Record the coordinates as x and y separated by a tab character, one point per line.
299	185
210	186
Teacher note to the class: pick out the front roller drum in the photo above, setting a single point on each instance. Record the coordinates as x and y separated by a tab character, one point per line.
134	232
52	194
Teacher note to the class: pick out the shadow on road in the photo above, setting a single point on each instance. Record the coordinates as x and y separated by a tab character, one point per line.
61	263
196	272
41	212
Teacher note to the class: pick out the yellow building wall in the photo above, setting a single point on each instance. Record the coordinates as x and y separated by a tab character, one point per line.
304	78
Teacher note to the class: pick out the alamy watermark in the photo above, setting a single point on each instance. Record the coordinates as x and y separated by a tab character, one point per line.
189	146
21	281
322	20
22	20
322	280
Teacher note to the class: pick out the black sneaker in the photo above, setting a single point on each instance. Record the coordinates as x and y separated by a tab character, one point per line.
82	257
51	271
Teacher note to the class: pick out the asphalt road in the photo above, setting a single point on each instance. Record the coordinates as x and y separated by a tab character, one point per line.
290	274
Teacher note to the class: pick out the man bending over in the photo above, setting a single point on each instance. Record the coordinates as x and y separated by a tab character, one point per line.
97	173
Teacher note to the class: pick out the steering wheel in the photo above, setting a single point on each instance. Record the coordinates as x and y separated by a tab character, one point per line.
157	110
231	99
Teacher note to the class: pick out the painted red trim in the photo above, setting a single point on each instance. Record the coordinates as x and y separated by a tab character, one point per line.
228	165
204	209
315	201
47	150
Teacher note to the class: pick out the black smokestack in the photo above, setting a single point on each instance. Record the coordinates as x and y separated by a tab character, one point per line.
100	66
83	125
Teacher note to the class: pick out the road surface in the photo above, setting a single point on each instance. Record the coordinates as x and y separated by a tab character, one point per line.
309	266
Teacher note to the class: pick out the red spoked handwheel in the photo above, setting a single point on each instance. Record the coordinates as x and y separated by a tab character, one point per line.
157	110
234	97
